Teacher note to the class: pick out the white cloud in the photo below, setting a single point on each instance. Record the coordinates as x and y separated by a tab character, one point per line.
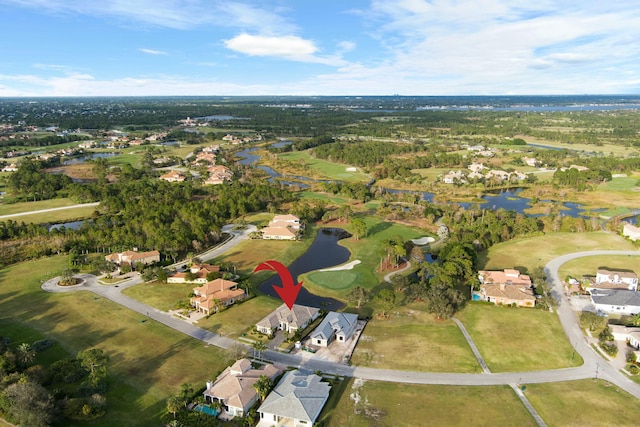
286	46
292	48
152	51
178	14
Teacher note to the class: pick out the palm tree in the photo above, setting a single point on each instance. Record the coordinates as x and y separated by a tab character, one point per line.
258	347
26	354
263	386
174	403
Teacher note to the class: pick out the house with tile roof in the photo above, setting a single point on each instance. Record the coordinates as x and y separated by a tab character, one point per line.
335	326
200	270
296	400
288	320
133	257
209	297
506	287
283	227
173	176
234	387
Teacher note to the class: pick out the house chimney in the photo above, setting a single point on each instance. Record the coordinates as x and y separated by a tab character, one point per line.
502	286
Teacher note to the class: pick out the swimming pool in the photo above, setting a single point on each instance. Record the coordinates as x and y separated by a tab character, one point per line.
476	297
206	409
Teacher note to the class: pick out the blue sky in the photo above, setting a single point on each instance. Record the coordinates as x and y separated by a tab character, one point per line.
311	47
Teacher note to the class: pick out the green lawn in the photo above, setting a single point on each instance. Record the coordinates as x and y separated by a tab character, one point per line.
588	265
584	403
424	343
163	296
14	208
621	184
518	339
336	280
148	360
330	170
66	215
529	253
389	404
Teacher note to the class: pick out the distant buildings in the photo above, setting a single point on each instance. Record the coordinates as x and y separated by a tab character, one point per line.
631	231
283	227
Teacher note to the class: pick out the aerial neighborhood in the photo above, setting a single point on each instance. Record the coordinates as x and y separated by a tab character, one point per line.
430	261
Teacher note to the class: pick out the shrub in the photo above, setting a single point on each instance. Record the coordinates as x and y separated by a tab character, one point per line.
631	356
634	370
610	348
41	345
67	371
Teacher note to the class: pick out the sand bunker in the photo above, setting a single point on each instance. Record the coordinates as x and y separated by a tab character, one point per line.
347	266
423	241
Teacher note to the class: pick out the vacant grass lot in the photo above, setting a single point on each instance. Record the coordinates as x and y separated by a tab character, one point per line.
388	404
148	361
412	339
589	265
584	403
529	253
518	339
14	208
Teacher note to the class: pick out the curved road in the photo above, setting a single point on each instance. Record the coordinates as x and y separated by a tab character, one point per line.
594	365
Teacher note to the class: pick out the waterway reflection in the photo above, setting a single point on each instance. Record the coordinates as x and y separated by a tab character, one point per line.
324	252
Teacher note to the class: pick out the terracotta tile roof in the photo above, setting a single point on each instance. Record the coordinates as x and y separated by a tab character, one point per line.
510	276
235	384
508	292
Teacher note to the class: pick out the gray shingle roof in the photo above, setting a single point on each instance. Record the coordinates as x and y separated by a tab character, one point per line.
299	395
616	297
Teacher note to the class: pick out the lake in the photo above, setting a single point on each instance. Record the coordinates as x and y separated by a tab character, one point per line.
82	159
324	252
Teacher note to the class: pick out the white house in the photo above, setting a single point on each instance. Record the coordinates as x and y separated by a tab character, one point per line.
295	401
631	231
335	326
626	333
288	320
606	279
616	301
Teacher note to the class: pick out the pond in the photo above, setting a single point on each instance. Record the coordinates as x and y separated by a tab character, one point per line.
324	252
73	225
508	199
81	159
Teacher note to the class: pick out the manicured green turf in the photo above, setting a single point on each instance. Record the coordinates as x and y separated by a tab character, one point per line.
14	208
518	339
389	404
411	339
584	403
334	279
529	253
66	215
327	169
148	360
621	184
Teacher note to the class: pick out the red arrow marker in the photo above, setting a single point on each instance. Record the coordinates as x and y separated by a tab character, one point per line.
289	290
